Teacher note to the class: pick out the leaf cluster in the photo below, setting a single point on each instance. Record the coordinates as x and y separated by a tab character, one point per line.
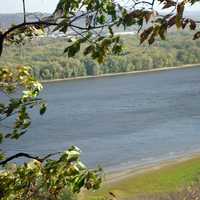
20	91
48	180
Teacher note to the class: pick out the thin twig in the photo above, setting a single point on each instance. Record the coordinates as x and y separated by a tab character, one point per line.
24	10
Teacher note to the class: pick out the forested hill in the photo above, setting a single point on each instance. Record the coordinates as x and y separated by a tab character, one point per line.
6	20
45	56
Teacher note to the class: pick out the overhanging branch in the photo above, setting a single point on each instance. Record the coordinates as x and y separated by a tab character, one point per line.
37	23
26	155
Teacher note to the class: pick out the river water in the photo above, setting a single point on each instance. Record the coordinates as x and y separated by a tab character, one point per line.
119	121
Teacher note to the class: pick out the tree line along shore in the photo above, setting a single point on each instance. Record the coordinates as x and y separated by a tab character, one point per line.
48	62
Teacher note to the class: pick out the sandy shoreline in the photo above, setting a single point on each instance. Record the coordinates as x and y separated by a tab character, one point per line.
117	175
121	73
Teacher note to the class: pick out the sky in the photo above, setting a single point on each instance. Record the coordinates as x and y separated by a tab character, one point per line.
14	6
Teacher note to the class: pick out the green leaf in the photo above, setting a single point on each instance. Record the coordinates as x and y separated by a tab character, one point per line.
43	108
2	156
1	138
196	35
73	49
89	49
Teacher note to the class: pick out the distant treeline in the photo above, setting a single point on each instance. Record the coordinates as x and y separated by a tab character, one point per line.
47	60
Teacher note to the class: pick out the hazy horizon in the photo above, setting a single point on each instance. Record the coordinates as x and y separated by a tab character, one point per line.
46	6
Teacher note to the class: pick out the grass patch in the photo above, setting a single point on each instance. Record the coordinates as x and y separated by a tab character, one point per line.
168	178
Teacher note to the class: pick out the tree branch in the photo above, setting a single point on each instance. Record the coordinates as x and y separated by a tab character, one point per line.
26	155
32	102
37	23
24	24
17	156
24	10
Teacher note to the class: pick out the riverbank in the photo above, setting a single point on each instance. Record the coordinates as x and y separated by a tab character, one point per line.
165	177
121	73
